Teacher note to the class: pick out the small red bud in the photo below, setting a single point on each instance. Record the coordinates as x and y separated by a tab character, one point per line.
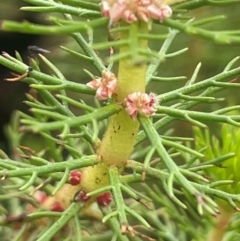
75	177
81	196
104	199
41	197
57	207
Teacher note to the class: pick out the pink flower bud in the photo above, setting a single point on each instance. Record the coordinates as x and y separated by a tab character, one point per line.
57	207
75	177
141	102
105	87
41	197
105	8
160	13
117	10
132	10
104	199
129	16
166	11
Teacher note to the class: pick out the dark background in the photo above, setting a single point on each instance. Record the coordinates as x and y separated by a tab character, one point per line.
12	94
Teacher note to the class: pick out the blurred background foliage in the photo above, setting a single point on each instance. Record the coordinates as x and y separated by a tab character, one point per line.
213	57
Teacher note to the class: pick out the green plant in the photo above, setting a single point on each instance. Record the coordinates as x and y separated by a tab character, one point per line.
116	152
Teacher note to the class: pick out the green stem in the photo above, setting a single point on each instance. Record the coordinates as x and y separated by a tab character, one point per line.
25	27
99	114
117	194
119	138
46	79
205	116
50	168
165	98
121	133
61	222
156	142
216	36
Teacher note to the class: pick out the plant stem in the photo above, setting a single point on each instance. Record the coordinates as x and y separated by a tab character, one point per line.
120	136
118	141
67	215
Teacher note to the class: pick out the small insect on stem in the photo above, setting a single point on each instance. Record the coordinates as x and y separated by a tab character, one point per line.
34	50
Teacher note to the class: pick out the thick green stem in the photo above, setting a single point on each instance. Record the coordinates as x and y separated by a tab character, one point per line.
118	141
120	136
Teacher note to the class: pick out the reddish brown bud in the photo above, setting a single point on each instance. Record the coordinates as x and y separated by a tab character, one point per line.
104	199
82	196
41	197
57	207
75	177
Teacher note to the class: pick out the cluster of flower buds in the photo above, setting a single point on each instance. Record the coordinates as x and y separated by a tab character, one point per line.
75	179
45	201
135	103
105	87
143	103
133	10
103	200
